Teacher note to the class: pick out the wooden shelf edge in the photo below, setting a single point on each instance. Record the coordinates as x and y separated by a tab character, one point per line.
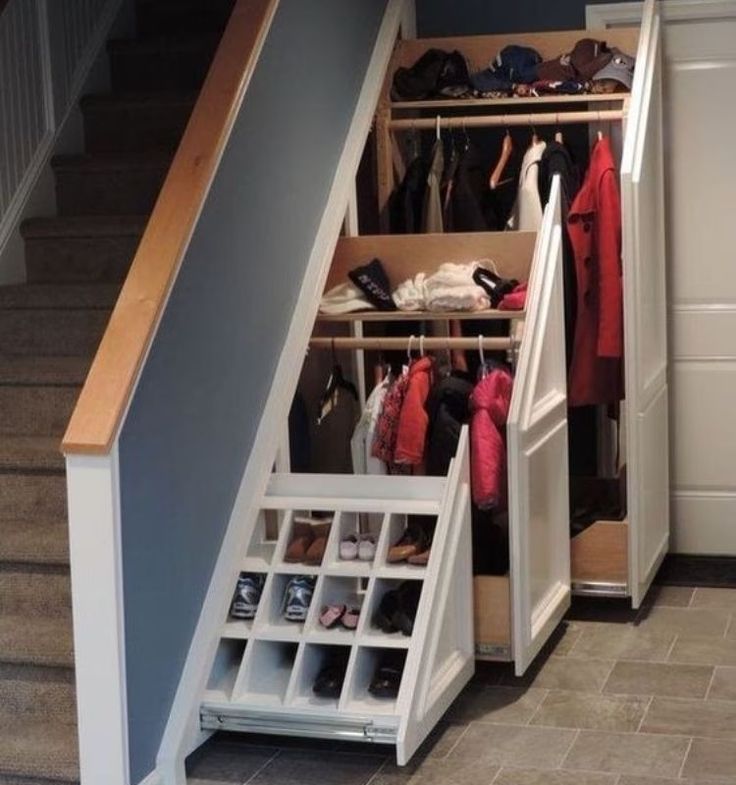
483	103
111	381
419	316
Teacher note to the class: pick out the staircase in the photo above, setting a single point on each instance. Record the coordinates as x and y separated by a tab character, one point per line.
76	262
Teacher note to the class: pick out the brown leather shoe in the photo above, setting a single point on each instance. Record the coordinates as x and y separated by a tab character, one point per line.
302	537
316	551
420	559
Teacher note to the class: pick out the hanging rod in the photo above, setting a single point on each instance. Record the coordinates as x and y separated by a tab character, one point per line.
396	344
508	120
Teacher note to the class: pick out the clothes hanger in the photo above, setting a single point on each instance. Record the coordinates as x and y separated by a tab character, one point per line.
335	384
482	369
535	138
600	131
421	345
438	128
558	133
507	148
466	146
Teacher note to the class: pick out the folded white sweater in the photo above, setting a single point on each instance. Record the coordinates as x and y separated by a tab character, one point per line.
451	288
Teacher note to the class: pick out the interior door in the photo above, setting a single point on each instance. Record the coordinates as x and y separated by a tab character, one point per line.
645	312
537	455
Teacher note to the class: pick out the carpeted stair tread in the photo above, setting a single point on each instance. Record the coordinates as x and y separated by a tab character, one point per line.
49	296
74	226
32	541
35	370
42	641
30	454
34	748
161	99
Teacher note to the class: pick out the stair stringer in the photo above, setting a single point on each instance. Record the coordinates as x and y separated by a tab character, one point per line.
183	733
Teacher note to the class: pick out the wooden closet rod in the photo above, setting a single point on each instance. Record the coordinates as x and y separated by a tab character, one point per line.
397	344
508	120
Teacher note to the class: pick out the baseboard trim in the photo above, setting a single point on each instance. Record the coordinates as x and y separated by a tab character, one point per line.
686	570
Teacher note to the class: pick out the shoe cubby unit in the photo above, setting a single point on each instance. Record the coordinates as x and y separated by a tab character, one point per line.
274	664
265	538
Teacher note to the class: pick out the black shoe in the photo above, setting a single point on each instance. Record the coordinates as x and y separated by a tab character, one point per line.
387	678
329	681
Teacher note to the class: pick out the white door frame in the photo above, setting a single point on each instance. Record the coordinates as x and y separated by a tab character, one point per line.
615	14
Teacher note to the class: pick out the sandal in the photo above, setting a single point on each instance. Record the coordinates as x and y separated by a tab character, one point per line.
331	615
349	619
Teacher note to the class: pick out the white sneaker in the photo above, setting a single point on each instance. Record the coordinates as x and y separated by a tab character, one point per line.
367	547
349	548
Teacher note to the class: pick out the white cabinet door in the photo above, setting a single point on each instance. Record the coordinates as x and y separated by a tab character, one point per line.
537	455
645	306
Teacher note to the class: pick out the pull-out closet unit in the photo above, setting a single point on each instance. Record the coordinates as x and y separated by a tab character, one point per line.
614	558
263	675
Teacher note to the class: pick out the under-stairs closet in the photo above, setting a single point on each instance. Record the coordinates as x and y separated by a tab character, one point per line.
265	674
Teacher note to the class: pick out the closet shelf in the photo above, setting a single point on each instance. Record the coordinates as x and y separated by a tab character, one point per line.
464	103
417	316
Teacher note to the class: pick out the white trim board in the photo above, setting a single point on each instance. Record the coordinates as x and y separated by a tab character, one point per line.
93	489
182	732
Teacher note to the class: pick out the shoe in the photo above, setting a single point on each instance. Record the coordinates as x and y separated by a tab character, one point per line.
302	536
316	551
247	595
329	681
331	615
413	541
383	616
420	559
387	677
349	548
298	597
367	547
349	619
398	609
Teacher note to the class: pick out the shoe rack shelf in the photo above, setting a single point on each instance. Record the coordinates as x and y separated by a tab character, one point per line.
264	670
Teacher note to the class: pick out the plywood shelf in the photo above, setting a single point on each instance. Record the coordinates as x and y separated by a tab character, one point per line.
419	316
600	554
526	101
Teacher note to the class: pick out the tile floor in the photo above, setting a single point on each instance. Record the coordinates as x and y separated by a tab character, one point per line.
619	698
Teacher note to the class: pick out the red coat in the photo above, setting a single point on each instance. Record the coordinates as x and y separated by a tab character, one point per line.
489	406
594	225
411	434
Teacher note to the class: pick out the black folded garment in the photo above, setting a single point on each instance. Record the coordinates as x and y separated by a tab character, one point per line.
372	280
494	286
435	73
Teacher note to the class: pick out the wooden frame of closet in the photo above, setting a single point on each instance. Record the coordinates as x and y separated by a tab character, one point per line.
600	554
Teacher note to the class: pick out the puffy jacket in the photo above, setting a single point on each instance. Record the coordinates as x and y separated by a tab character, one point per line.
489	405
411	437
448	410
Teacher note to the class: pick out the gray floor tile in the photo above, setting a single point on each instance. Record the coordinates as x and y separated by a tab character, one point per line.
565	673
669	596
591	711
478	703
441	740
688	621
546	777
714	598
724	685
438	772
227	763
623	642
565	637
709	719
627	780
711	758
302	767
656	678
513	745
704	651
627	753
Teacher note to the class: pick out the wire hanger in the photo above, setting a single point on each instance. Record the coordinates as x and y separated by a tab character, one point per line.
535	138
421	345
335	384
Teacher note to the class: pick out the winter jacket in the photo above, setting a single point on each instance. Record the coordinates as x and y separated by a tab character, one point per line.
594	225
489	405
432	209
448	409
386	431
411	437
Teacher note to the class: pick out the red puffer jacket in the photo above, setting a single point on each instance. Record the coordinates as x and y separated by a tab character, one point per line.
489	405
412	431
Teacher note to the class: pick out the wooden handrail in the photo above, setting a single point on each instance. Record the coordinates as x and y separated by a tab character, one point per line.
112	378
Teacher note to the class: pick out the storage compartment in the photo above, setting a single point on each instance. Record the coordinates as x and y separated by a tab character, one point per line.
352	527
338	593
262	546
391	612
326	663
225	669
600	558
492	617
286	593
368	661
267	673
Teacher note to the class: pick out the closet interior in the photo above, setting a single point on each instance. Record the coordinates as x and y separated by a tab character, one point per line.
425	509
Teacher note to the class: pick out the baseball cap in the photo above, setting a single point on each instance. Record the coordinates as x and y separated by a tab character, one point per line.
620	68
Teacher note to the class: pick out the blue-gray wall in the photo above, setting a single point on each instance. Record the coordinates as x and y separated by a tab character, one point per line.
479	17
194	416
